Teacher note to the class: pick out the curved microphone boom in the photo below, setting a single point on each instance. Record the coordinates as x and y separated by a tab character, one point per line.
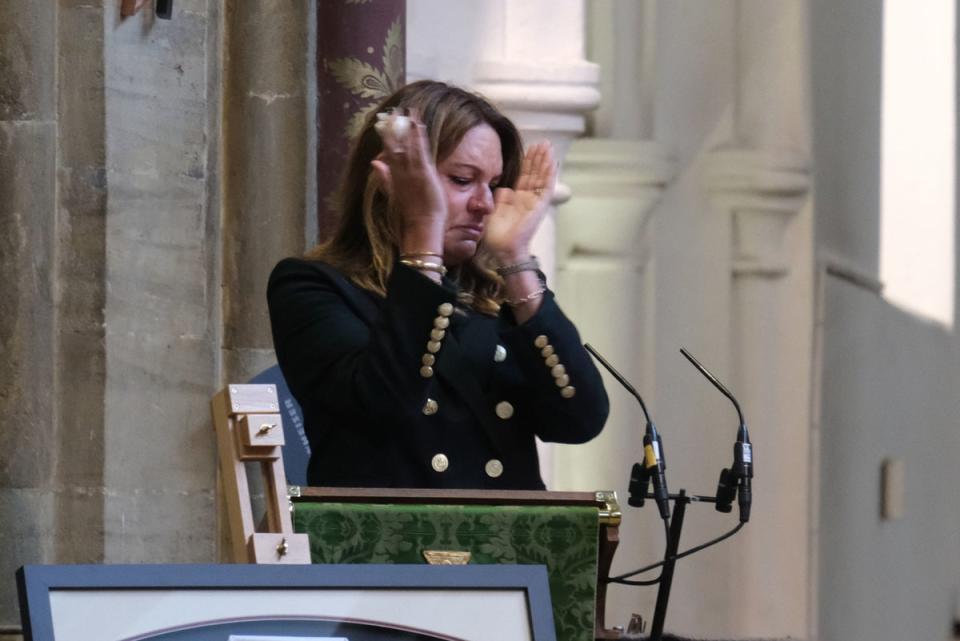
738	478
654	462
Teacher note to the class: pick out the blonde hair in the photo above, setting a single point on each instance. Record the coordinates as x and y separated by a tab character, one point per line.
364	244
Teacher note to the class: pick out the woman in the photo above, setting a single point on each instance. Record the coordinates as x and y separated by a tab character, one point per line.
420	341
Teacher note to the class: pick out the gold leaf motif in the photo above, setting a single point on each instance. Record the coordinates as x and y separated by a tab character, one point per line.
355	124
393	55
366	81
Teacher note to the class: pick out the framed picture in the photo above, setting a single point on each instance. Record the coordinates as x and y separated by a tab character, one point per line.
285	603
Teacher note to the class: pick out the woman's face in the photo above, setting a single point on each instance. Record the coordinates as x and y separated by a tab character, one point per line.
469	175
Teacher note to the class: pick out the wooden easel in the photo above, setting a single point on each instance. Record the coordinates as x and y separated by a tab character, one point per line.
249	429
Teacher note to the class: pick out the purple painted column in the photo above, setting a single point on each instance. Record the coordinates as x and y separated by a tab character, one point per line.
361	58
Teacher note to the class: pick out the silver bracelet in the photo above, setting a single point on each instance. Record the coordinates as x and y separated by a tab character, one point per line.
531	265
532	296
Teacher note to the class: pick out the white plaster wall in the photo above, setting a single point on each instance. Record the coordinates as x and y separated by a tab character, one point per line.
846	53
889	381
889	386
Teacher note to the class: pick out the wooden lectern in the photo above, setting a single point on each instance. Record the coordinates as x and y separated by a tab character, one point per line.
366	525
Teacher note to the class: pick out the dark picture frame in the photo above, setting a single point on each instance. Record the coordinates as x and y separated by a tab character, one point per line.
472	588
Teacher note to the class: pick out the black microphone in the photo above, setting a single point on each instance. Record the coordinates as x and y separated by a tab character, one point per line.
639	482
654	463
726	491
743	470
737	479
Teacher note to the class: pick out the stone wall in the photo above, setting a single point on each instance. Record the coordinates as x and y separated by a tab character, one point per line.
123	261
52	217
161	309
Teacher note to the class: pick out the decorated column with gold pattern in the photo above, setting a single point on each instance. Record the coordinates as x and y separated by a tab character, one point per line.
360	61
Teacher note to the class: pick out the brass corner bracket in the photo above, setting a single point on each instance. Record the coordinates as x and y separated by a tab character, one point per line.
610	513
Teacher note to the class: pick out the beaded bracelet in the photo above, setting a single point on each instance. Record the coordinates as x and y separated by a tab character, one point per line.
532	296
424	266
531	265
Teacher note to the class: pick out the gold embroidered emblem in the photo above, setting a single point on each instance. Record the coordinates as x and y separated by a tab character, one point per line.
446	557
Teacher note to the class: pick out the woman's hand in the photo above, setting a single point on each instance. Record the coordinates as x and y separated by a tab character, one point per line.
409	176
518	212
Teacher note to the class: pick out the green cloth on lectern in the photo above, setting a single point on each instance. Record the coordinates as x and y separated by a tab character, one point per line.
565	539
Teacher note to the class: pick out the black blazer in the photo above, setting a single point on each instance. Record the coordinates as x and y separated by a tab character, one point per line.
380	412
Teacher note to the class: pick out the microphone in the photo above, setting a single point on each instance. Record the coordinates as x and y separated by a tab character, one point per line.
726	491
743	470
654	463
737	479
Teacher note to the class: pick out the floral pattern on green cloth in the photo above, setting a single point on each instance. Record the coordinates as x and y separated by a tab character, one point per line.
565	539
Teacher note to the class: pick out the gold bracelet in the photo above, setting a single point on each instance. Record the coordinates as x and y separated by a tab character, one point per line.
415	254
532	296
424	266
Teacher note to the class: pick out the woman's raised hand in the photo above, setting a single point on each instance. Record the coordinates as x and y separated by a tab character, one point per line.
518	212
409	176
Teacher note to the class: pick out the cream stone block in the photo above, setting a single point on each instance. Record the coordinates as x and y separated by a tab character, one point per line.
763	191
617	183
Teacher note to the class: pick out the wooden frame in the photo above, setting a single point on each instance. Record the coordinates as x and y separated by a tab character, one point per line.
175	602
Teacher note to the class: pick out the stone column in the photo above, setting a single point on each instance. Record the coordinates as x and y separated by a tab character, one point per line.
534	68
622	41
361	51
28	411
605	259
759	180
52	245
265	133
81	280
162	97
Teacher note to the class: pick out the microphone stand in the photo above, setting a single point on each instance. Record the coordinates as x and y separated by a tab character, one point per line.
666	575
653	468
742	475
680	502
